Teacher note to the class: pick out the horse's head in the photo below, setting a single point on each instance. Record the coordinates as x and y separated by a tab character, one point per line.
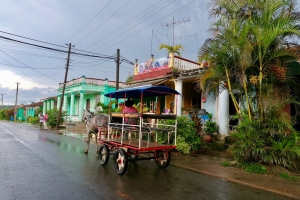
86	115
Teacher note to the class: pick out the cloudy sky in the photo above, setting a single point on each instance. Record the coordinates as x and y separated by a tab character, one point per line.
136	27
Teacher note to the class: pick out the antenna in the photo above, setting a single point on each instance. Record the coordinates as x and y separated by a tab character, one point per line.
173	24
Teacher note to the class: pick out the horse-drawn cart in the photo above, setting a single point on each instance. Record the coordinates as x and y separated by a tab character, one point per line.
132	142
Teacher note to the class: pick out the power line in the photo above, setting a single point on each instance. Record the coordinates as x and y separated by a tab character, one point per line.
130	28
128	22
32	39
63	51
27	67
91	20
145	27
103	22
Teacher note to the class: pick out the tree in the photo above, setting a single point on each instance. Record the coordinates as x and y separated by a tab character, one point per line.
172	49
252	41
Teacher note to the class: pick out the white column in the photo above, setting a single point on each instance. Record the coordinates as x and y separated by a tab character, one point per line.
102	97
223	111
72	104
178	104
44	107
65	102
48	105
81	104
58	101
51	104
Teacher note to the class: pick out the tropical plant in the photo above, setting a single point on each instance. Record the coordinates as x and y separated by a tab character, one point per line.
138	107
187	129
248	51
52	117
270	141
196	118
247	56
187	137
172	49
129	79
210	126
109	107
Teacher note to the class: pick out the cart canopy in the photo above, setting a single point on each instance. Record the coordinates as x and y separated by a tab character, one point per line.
148	91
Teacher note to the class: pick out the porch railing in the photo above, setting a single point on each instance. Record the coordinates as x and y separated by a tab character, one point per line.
91	81
185	64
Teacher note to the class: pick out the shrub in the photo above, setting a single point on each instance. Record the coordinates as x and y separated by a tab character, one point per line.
268	141
186	129
33	120
52	117
182	145
187	137
2	114
8	113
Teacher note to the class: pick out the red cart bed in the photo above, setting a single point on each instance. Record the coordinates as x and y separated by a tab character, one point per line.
137	142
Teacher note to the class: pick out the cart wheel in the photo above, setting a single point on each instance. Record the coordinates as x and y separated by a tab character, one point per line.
103	155
163	159
120	161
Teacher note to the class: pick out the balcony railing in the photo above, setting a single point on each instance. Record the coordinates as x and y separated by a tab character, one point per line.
185	64
164	62
91	81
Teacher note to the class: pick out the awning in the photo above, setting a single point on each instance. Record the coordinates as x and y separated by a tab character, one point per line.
147	91
147	83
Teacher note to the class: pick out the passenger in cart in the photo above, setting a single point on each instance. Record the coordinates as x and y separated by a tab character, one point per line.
130	109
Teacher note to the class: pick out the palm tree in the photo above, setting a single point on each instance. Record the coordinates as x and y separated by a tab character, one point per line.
250	38
172	49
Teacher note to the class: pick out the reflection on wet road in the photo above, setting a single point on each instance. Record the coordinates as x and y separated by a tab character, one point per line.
39	164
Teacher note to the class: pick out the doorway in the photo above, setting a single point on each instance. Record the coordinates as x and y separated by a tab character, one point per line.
88	104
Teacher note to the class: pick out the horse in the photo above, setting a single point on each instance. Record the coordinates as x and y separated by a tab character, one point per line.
93	123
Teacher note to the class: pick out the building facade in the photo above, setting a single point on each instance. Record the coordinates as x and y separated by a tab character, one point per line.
183	75
84	93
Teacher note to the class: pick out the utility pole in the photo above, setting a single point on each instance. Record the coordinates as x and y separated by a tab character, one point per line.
173	24
64	86
2	100
117	71
15	111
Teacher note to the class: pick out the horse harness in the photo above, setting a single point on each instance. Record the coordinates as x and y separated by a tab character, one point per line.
88	119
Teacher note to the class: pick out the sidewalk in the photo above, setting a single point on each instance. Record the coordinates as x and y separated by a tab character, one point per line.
209	163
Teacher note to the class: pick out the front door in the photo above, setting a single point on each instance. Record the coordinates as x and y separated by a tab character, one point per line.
88	104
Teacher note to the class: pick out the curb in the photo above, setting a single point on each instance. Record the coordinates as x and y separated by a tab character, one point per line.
282	193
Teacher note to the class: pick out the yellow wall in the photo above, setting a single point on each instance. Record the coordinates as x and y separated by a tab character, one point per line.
188	93
170	98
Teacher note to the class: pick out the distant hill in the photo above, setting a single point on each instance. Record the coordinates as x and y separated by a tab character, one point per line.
6	106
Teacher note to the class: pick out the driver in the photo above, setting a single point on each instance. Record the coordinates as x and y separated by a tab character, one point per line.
130	109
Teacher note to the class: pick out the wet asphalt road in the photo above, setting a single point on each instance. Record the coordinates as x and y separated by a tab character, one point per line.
37	164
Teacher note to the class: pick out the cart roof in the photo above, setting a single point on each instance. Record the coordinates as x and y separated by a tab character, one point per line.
148	91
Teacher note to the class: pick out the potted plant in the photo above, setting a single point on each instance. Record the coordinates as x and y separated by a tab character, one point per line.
210	128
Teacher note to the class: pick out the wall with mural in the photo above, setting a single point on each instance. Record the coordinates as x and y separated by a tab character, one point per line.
149	66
